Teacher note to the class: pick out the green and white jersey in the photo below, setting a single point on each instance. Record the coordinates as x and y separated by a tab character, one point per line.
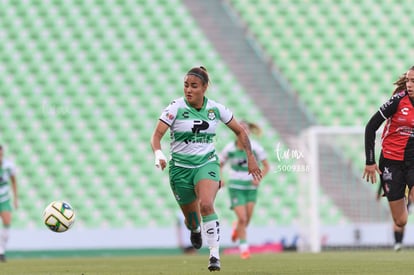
7	170
192	131
239	176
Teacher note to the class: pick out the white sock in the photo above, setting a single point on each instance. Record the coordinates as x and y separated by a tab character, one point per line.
244	247
212	232
3	239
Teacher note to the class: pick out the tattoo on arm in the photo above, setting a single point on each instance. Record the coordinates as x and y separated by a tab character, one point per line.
244	139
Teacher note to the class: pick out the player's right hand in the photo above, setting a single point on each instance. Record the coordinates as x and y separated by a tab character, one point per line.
160	159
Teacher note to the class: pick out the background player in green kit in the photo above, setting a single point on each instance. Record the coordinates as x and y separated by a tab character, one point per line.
194	168
7	175
242	186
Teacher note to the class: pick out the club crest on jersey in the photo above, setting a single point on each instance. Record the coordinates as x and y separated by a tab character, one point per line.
211	114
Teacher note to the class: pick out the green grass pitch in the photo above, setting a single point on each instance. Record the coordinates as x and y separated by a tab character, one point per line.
349	262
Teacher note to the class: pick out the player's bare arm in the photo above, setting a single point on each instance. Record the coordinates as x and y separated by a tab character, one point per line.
160	130
14	188
254	169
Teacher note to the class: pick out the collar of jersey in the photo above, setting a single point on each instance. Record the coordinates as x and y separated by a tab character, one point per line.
205	99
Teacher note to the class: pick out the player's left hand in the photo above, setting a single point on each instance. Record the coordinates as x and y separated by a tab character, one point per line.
254	169
370	173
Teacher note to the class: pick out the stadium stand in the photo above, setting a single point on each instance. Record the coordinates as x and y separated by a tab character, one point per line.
339	55
85	84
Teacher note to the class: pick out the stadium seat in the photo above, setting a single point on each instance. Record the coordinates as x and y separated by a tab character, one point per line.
348	56
87	82
326	24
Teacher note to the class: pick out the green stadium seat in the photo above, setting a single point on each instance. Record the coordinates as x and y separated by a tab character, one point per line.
325	23
90	90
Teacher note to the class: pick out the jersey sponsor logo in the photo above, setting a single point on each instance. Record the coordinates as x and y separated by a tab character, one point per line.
211	114
405	131
199	125
186	114
387	175
198	140
386	104
187	141
169	116
212	173
241	162
404	111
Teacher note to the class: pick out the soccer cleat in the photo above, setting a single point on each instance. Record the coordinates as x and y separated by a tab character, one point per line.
245	255
397	247
196	239
214	264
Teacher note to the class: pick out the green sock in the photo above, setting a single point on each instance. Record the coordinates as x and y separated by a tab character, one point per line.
193	223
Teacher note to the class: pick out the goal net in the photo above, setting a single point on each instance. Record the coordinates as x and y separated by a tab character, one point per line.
337	207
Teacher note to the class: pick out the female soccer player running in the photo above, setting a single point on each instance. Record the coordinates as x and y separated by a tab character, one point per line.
194	168
242	187
396	162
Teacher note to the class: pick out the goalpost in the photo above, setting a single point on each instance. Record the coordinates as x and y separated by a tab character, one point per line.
337	208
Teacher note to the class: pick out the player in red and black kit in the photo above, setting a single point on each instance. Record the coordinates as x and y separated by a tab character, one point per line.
396	163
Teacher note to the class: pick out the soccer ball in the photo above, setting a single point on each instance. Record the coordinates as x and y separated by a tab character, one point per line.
59	216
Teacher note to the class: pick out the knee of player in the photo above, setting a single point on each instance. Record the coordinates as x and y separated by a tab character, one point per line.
243	221
400	222
206	207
